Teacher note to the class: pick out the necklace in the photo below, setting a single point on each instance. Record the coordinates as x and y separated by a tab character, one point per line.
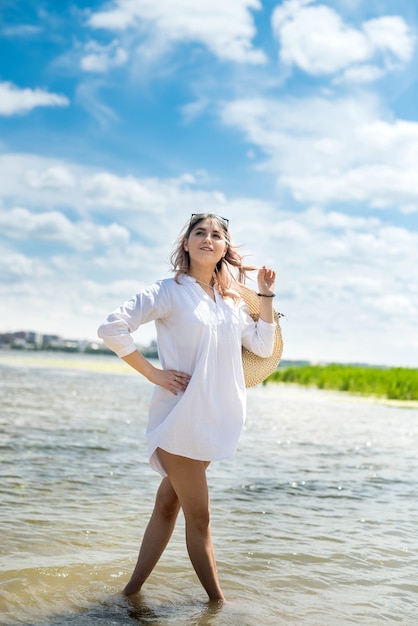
205	284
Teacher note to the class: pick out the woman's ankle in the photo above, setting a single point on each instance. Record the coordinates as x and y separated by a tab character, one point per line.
131	588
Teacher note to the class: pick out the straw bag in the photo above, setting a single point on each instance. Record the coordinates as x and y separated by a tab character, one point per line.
256	368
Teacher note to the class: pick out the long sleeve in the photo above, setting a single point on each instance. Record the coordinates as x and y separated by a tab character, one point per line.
258	337
148	305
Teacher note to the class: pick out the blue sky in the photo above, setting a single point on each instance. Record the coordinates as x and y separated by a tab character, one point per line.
298	120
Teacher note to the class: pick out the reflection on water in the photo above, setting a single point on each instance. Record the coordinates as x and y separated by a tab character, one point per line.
314	521
118	610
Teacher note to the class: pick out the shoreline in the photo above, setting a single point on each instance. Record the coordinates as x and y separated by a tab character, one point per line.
347	395
102	364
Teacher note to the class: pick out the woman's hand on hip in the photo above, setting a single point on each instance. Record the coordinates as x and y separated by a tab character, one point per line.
172	380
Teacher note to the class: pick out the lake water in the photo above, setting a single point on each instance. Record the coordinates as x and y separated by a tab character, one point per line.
315	522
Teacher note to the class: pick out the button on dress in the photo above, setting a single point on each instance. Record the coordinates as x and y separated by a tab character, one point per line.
202	338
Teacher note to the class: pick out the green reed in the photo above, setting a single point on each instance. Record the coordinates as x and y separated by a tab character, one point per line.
396	383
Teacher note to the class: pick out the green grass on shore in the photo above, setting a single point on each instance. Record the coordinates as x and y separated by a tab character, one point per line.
397	383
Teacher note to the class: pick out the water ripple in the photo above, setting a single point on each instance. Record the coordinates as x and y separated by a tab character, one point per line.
313	521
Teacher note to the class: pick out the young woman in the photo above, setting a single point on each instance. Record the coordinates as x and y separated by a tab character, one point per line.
198	405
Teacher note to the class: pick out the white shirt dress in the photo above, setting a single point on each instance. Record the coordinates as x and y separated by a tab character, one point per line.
202	338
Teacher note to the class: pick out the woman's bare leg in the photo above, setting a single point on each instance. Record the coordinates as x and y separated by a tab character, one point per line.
156	537
188	479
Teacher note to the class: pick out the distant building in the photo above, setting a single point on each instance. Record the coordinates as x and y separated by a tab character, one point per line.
30	340
21	340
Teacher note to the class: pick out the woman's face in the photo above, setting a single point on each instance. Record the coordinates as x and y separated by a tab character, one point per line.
206	244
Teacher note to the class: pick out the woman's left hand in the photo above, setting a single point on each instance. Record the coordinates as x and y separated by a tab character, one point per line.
266	278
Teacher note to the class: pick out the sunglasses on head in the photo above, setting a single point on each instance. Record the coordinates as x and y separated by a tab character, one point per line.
195	217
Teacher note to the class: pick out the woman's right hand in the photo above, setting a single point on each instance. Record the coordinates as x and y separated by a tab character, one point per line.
172	380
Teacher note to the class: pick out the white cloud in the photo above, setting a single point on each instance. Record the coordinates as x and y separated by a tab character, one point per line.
225	28
345	282
147	197
55	177
87	95
360	74
99	58
17	268
14	100
192	110
21	223
21	30
40	183
318	41
333	150
55	226
391	34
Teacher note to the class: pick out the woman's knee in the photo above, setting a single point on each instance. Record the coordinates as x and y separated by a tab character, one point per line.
198	520
167	504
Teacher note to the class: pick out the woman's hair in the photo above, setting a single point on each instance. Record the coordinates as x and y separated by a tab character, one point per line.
229	269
